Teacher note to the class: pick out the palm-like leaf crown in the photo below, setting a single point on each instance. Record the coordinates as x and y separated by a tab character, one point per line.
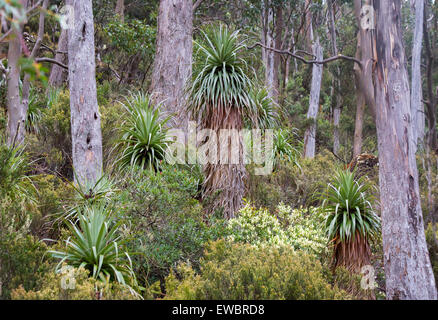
221	81
144	134
348	208
96	245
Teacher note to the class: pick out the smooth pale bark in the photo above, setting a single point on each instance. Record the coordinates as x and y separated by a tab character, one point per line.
58	75
173	60
269	55
358	126
337	81
312	113
85	117
16	114
407	265
417	108
366	52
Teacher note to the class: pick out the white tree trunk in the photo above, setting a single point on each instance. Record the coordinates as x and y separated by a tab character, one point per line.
85	117
16	118
16	114
406	259
315	91
417	108
173	58
269	54
58	74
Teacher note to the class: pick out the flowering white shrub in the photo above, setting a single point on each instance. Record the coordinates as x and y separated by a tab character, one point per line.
300	228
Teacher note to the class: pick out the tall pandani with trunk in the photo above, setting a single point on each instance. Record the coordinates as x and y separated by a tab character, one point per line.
218	98
351	222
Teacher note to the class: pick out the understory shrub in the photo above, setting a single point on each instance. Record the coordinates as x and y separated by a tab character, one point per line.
235	271
51	146
165	220
74	284
22	262
300	228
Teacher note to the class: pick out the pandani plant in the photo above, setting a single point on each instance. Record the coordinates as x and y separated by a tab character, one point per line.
351	223
219	98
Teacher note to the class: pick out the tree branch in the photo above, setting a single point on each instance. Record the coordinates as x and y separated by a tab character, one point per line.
49	60
302	59
197	4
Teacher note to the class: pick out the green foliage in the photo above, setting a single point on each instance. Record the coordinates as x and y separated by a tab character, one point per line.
21	262
89	194
50	199
80	286
295	186
165	221
51	147
432	244
14	167
286	146
266	107
348	208
133	37
240	271
220	76
144	138
97	246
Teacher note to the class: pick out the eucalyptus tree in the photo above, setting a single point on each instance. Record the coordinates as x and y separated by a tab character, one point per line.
84	110
173	59
406	259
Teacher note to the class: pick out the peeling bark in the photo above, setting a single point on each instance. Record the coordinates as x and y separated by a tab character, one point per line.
85	117
406	259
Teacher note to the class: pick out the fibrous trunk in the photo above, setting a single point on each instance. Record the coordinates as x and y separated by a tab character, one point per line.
224	183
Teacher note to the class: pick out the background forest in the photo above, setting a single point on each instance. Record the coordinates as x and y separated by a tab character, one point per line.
91	209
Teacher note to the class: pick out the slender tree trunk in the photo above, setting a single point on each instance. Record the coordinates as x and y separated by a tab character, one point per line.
417	108
270	57
85	117
358	127
120	9
315	91
432	99
173	59
58	75
337	82
406	259
16	114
